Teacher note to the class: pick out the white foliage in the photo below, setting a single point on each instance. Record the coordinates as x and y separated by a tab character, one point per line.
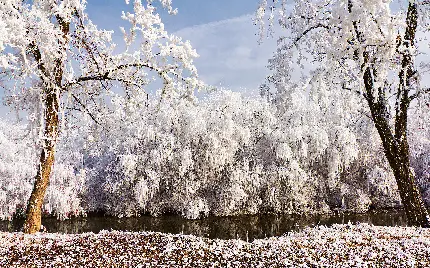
224	155
18	170
311	149
35	48
52	48
17	165
337	47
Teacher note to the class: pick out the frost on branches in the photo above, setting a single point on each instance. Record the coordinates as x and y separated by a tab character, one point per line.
224	155
370	48
54	61
312	148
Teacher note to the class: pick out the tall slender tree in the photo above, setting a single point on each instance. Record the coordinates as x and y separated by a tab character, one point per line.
369	47
52	57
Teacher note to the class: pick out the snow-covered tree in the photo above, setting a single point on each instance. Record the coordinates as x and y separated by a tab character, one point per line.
368	47
54	59
308	152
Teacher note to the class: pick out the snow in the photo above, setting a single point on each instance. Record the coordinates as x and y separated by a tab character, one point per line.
307	149
349	245
225	155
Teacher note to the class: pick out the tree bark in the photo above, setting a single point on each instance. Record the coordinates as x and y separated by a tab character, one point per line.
34	207
413	203
396	150
396	147
52	92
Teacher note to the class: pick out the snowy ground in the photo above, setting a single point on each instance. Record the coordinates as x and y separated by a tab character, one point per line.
359	245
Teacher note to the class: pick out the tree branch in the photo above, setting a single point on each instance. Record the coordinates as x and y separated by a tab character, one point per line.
419	93
354	90
298	38
86	109
106	75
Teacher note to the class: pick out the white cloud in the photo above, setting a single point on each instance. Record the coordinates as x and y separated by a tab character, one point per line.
230	55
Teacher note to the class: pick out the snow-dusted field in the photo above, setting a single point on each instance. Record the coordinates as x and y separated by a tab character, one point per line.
359	245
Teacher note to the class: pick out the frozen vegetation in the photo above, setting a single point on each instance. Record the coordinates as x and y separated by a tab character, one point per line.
310	150
309	144
360	245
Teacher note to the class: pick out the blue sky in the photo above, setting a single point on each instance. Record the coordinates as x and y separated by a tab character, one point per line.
222	32
191	12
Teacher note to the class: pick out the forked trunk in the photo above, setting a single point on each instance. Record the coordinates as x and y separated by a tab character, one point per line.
34	207
395	143
396	149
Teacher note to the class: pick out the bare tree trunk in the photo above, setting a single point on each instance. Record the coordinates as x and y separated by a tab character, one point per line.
413	203
52	92
396	147
396	150
34	207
